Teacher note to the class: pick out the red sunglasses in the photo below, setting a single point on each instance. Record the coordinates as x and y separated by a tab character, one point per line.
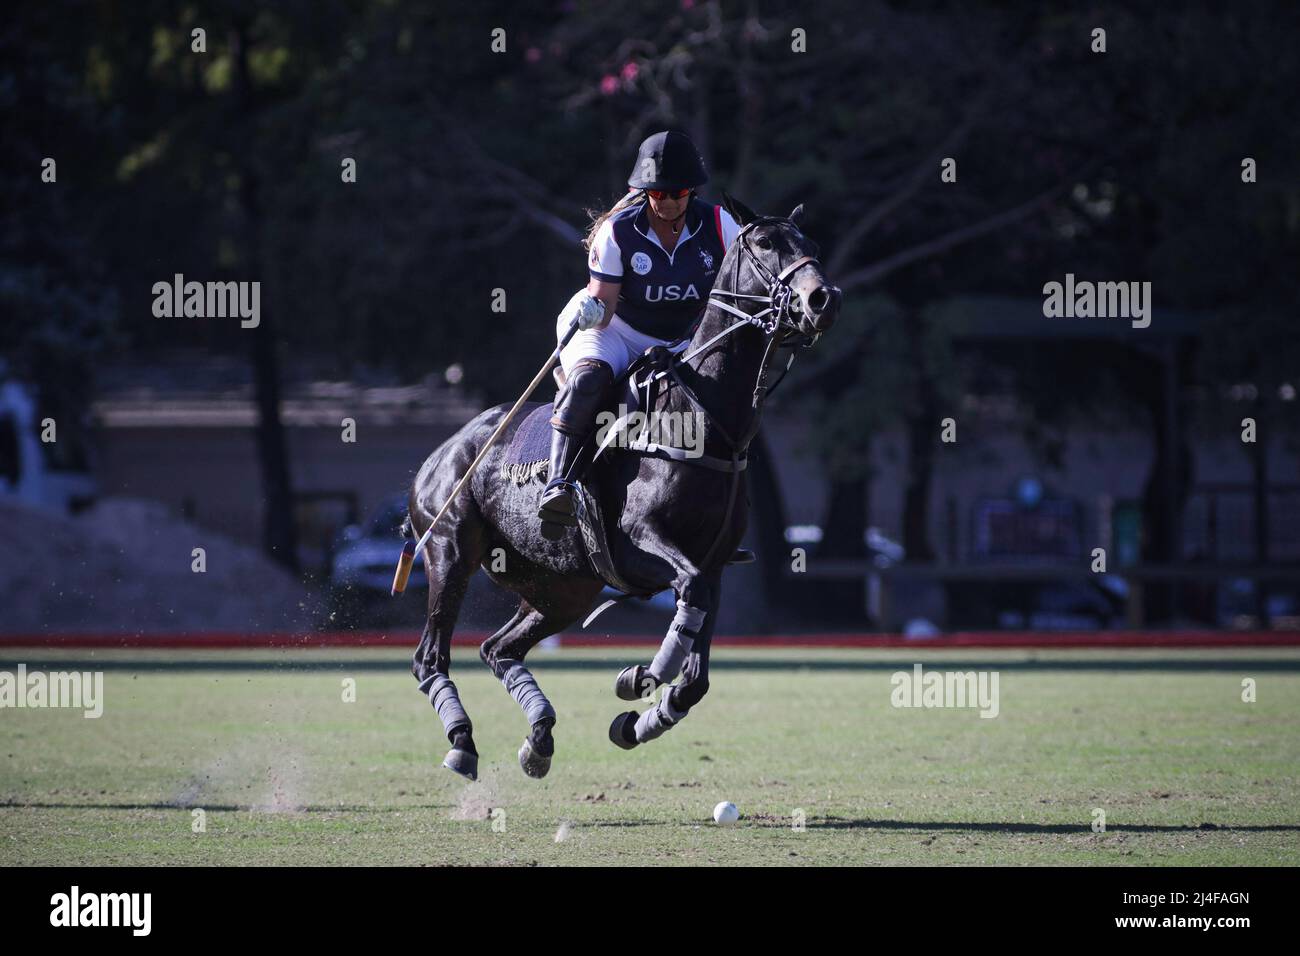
658	194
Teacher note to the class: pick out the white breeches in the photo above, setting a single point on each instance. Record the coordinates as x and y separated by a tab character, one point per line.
618	344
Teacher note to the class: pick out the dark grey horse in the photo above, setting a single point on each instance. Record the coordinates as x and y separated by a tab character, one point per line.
670	523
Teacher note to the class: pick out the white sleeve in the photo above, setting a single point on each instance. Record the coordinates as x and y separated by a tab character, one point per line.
730	228
606	260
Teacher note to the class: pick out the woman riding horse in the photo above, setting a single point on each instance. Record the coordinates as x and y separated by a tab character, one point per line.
652	259
658	259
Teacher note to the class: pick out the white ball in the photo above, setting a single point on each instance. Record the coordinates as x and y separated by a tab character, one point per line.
725	813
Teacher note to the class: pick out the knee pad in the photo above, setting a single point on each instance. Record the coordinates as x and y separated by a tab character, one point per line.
576	406
589	375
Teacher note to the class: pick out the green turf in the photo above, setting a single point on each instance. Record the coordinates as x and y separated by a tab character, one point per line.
289	774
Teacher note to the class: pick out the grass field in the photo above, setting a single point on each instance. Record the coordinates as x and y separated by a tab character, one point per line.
288	773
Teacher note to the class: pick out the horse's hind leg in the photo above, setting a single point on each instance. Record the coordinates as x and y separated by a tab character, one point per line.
450	560
504	653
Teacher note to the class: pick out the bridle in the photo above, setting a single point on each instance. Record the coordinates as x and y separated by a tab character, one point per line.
779	294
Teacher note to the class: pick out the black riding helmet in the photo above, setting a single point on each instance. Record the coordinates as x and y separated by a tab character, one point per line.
668	160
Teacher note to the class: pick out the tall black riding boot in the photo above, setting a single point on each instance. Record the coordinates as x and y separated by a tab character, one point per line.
575	414
556	505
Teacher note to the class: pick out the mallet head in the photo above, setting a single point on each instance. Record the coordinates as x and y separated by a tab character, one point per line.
404	568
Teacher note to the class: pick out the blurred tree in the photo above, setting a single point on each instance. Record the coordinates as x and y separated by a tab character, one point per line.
474	168
57	309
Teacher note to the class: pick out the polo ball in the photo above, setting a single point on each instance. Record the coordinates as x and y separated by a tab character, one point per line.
725	813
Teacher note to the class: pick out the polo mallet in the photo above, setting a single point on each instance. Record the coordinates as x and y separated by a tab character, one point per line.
409	549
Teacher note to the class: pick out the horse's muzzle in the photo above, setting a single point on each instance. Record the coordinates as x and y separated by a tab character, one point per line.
820	307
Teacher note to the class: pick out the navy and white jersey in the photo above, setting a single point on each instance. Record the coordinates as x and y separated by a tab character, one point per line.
662	293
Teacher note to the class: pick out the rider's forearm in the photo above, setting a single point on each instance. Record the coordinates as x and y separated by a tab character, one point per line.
607	293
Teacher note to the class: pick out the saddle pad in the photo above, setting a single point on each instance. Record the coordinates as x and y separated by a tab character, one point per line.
529	453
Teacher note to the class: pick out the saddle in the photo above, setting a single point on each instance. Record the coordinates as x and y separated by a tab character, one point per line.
527	458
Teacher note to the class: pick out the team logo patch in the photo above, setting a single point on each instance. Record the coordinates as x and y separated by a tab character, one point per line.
640	263
707	259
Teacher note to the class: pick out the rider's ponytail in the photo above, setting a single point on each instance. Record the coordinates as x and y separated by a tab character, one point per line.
633	198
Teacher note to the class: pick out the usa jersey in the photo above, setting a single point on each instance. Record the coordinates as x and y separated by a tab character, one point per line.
661	293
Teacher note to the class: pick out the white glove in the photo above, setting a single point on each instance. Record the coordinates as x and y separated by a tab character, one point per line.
586	308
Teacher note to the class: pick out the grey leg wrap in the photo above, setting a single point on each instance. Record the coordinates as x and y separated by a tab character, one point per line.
443	695
655	721
523	688
677	643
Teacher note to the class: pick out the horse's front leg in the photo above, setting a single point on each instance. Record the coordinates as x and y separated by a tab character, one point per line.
685	649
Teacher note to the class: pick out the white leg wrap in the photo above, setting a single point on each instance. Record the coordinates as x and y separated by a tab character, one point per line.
677	643
655	721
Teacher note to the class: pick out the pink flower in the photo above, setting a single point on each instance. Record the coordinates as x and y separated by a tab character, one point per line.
630	71
609	84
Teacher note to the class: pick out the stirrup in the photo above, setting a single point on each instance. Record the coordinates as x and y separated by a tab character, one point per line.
556	505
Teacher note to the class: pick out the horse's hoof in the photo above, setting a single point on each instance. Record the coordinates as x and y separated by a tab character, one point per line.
622	732
537	750
462	762
533	763
630	684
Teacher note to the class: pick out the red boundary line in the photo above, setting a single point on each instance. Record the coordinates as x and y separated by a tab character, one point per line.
220	640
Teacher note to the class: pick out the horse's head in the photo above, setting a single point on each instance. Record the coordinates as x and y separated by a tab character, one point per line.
779	254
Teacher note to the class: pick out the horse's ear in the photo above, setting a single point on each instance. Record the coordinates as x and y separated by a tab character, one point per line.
796	216
739	211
